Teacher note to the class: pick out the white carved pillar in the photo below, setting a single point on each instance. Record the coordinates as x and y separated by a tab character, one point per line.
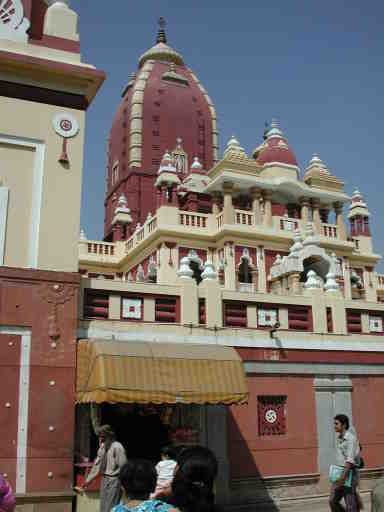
342	231
228	210
267	208
256	207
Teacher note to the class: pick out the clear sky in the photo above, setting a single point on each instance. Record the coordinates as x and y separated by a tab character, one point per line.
315	66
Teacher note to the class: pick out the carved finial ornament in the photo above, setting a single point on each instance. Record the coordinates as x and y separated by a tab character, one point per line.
161	37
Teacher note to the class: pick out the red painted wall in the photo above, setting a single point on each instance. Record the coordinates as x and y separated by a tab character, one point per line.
368	413
292	453
26	299
169	111
9	393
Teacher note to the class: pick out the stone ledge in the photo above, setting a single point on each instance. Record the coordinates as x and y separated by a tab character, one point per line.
370	473
275	481
44	497
315	503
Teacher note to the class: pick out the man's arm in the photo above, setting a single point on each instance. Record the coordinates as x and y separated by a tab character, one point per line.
95	470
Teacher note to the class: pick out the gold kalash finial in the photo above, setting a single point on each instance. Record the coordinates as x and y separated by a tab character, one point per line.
161	37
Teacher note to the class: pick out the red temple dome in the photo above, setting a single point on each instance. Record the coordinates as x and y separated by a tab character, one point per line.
275	148
162	105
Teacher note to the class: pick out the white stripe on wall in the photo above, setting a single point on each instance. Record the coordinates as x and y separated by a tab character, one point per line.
4	193
22	428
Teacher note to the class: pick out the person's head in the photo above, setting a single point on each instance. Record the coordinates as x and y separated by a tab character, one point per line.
192	486
138	478
167	452
204	455
105	433
341	423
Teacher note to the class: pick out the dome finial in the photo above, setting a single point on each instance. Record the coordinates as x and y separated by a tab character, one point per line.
161	37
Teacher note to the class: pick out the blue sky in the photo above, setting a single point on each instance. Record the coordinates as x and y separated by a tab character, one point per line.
315	66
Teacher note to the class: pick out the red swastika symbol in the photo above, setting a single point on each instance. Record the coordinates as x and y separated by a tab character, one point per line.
66	125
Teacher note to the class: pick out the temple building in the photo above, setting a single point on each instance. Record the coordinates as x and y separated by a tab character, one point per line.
243	251
234	301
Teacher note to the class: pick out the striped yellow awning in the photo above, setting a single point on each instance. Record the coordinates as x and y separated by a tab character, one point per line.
159	373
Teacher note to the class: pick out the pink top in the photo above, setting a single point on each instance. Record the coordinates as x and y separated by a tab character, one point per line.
7	498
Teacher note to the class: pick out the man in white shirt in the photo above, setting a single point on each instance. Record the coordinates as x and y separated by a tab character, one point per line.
348	456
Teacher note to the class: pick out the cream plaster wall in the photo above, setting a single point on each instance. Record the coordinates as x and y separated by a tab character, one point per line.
189	301
41	52
114	307
61	187
277	171
149	309
17	169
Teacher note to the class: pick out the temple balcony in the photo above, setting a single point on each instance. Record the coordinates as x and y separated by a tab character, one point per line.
172	222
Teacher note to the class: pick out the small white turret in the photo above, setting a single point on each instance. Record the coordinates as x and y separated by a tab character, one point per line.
312	282
209	273
185	272
234	149
331	285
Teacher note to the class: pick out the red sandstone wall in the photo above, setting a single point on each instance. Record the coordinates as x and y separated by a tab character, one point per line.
368	413
289	454
26	300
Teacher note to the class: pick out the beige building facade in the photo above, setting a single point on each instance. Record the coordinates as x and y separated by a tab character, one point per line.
45	90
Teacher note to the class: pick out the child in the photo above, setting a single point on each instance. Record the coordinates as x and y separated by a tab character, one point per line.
7	498
138	479
165	471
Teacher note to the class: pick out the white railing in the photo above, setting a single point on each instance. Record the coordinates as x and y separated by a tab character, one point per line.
103	248
141	234
380	281
329	230
219	219
244	218
99	252
195	220
288	224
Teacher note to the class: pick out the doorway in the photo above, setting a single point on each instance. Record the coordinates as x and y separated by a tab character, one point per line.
333	396
140	430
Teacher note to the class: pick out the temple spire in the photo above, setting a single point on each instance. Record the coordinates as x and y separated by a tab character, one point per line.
161	37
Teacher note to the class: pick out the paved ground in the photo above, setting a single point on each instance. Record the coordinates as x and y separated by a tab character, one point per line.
312	505
319	505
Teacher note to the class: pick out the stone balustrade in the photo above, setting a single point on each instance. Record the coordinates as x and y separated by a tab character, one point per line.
244	218
170	218
286	223
329	230
196	220
100	252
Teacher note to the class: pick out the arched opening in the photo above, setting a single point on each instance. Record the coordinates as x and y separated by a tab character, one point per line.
245	272
317	264
197	271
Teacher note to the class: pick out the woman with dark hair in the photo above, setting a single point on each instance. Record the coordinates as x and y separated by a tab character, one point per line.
109	461
138	480
195	474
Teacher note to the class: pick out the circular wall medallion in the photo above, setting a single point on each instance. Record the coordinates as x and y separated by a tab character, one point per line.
270	416
65	125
